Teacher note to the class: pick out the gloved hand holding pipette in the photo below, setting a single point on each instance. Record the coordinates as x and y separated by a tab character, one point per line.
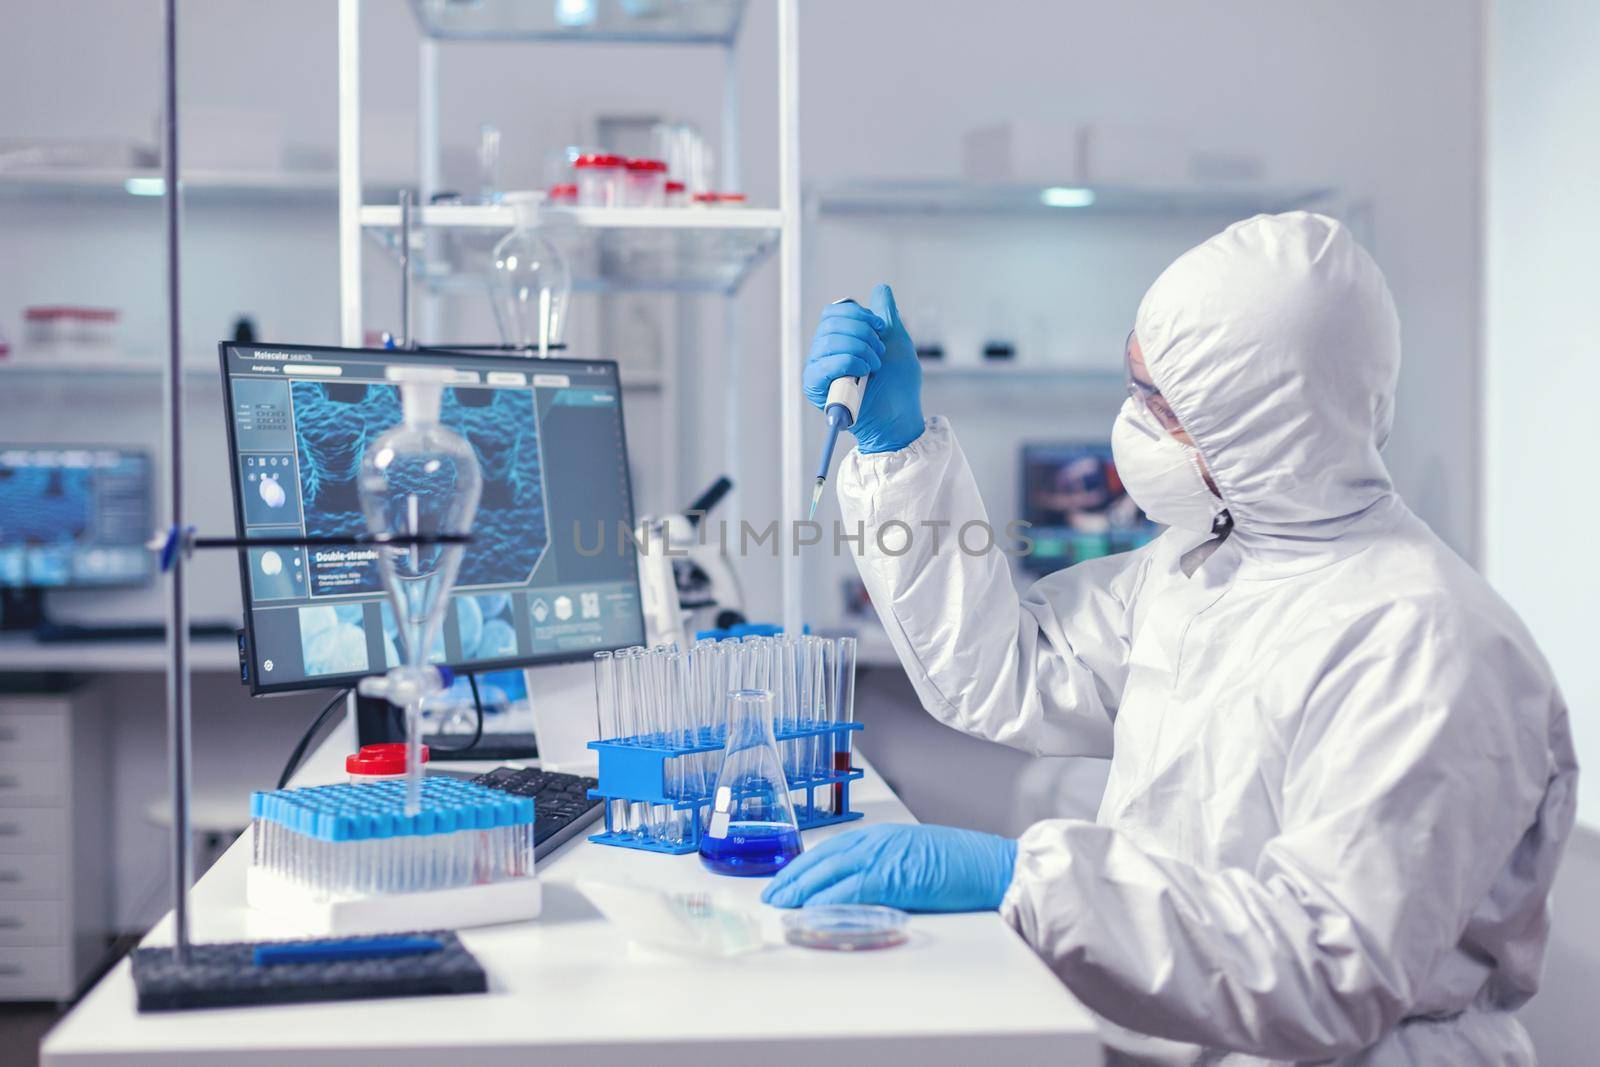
852	341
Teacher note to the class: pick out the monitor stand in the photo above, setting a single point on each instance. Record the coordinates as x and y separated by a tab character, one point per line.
21	609
562	697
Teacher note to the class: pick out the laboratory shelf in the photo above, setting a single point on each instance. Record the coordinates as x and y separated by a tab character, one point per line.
1029	375
1066	200
682	250
79	372
199	186
614	21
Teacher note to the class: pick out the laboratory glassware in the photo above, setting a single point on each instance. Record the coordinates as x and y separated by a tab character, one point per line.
645	183
489	163
845	927
842	711
599	176
417	479
608	710
751	830
531	281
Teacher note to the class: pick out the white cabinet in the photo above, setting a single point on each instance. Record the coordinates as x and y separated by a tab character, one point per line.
55	895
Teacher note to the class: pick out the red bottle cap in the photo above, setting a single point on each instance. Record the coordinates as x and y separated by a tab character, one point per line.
647	165
731	198
599	159
707	198
567	191
377	760
675	187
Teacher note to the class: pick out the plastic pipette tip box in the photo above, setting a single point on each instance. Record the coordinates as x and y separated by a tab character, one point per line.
226	975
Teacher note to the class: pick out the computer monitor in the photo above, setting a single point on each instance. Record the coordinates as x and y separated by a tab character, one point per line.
548	577
71	517
1076	506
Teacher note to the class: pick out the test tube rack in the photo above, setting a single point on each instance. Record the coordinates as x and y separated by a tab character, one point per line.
346	859
634	769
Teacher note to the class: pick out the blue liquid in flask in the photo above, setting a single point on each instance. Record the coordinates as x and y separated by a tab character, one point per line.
751	849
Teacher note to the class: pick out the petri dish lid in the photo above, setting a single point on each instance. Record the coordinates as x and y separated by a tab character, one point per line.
846	927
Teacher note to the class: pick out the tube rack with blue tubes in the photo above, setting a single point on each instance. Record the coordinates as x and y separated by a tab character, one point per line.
664	809
347	859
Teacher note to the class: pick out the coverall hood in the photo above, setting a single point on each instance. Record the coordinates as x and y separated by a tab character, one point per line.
1277	344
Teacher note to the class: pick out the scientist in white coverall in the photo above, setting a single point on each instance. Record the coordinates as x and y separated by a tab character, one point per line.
1341	775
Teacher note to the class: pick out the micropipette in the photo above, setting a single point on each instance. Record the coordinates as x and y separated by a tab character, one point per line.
842	407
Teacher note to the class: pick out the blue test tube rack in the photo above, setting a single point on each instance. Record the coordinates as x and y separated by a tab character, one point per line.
634	769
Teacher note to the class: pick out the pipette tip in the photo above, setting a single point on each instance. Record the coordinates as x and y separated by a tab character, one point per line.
816	495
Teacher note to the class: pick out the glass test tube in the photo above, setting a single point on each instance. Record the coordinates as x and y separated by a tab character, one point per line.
792	673
821	746
844	712
607	714
630	693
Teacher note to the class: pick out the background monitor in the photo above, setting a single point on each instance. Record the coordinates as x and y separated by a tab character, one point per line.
1077	506
71	517
548	578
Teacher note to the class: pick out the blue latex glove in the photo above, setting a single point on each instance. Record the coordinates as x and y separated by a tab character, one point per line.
916	868
851	341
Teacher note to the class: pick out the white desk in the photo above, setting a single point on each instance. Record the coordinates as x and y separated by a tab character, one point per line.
966	990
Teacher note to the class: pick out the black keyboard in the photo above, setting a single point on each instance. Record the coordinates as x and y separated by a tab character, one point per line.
52	632
561	804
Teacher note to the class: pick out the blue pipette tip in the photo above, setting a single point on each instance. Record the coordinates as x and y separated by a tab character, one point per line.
838	418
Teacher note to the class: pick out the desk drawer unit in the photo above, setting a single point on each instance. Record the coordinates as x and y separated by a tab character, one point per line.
31	736
36	876
32	782
54	815
33	974
29	830
36	923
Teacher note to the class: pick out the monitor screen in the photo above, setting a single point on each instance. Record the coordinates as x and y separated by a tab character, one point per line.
1077	506
74	516
547	577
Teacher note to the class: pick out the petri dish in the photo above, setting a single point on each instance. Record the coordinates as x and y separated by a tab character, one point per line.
846	927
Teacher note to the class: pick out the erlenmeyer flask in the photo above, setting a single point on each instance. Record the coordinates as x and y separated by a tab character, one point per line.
752	831
531	281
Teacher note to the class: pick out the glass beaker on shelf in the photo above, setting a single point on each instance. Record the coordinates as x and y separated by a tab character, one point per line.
531	282
752	830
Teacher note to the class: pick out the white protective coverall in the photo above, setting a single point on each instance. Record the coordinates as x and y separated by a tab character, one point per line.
1341	774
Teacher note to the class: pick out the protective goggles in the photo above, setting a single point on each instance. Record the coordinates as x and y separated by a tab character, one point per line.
1142	389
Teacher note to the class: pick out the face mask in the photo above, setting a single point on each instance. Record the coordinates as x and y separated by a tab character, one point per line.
1161	473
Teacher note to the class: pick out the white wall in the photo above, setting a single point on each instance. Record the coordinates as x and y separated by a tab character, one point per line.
1543	354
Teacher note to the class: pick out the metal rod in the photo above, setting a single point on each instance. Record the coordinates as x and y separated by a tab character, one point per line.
350	328
732	139
793	476
405	269
295	541
178	608
428	173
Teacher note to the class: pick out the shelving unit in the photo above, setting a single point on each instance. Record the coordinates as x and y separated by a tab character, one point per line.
1019	375
199	186
713	22
957	198
674	250
683	252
